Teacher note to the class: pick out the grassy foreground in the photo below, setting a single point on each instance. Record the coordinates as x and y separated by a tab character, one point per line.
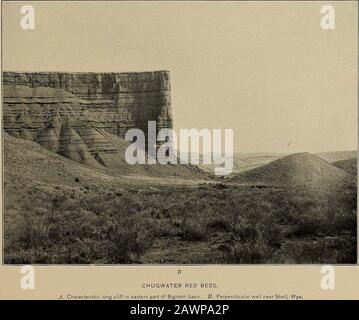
208	223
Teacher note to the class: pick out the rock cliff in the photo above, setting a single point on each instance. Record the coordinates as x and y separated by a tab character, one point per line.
78	114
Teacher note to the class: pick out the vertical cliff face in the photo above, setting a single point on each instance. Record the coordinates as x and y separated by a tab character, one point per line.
117	101
75	114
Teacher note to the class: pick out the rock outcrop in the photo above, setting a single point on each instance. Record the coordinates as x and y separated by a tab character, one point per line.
75	114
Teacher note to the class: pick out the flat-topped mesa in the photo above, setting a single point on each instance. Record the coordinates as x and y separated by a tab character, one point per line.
118	101
61	110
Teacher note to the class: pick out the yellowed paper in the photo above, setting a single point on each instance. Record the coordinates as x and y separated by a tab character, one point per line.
268	89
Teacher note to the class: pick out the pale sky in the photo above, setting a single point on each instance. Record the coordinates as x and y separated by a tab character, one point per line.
267	70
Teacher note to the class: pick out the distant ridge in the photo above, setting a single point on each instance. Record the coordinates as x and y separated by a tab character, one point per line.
349	165
333	156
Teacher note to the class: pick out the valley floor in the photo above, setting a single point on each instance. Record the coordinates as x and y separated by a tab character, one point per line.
60	212
210	223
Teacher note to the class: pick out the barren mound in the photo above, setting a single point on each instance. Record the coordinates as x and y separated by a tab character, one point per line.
296	169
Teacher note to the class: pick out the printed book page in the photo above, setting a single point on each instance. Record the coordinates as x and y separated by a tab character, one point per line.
174	150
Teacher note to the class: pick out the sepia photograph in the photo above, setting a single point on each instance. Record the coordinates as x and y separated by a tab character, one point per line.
195	133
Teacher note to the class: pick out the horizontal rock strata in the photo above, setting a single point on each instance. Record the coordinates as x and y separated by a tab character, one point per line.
73	113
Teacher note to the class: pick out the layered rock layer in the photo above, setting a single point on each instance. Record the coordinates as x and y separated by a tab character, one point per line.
117	101
74	113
